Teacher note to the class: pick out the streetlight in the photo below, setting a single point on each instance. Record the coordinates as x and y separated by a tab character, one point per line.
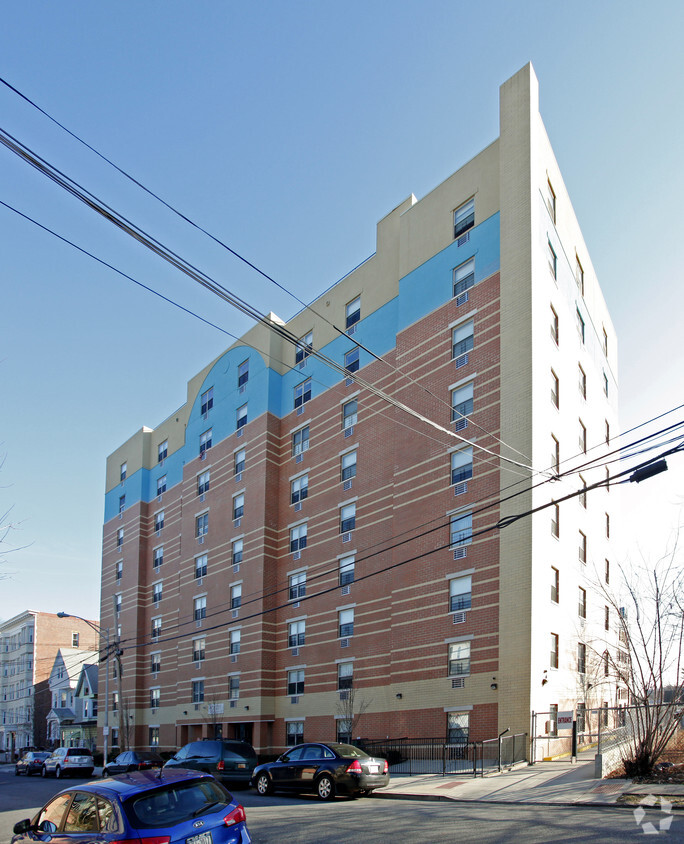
103	634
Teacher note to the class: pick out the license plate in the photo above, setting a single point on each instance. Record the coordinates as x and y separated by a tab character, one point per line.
373	769
241	764
202	838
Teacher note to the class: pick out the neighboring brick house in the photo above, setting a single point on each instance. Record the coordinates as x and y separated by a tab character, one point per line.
29	643
69	675
292	534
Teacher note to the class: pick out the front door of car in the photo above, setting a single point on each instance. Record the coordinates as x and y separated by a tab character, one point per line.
306	767
282	771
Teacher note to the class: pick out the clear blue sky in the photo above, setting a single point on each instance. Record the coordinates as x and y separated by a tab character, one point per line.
289	129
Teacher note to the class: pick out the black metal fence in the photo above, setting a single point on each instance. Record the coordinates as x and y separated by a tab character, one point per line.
412	756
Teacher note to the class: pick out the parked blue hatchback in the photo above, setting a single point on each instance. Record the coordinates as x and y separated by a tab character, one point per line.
154	807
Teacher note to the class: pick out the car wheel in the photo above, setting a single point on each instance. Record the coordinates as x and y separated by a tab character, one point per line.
58	772
43	772
325	788
105	773
264	785
28	772
16	771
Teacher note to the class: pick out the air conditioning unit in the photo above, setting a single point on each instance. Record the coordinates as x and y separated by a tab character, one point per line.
460	553
344	695
235	613
347	485
295	605
344	643
241	389
233	657
297	555
351	330
463	239
200	540
203	455
461	299
459	617
346	537
299	458
233	704
461	488
236	568
202	497
461	360
295	651
346	590
238	477
237	523
294	699
300	410
458	683
238	433
348	432
197	706
298	506
348	382
461	423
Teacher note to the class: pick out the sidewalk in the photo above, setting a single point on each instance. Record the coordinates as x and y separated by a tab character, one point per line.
558	783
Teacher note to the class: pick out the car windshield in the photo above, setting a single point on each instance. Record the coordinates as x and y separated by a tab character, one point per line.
349	750
175	803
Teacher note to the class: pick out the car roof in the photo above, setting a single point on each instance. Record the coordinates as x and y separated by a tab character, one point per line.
140	781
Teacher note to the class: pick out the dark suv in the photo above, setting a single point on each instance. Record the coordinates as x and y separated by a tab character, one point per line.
229	761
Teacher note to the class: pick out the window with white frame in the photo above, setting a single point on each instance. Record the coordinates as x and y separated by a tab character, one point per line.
200	566
119	537
297	585
554	326
348	517
582	381
241	417
461	402
579	276
582	547
458	727
555	454
551	200
298	537
199	649
299	489
349	413
239	505
461	465
162	451
346	565
235	641
464	277
348	465
197	691
200	608
237	551
156	627
300	441
464	217
155	662
459	659
555	389
351	360
582	603
119	569
202	525
122	503
123	470
295	733
304	347
296	633
553	260
207	401
203	481
155	698
346	623
239	461
205	441
302	393
345	675
352	312
462	339
461	529
161	485
157	589
460	593
580	325
153	736
117	604
295	682
235	596
158	520
243	373
234	686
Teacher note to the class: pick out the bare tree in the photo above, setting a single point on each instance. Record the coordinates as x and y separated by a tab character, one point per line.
351	708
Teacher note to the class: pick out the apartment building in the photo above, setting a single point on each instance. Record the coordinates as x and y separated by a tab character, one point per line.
29	643
303	542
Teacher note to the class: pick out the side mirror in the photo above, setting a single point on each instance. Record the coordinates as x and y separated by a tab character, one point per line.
22	826
284	758
47	826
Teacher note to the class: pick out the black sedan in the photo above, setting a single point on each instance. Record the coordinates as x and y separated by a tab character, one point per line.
133	760
30	763
325	769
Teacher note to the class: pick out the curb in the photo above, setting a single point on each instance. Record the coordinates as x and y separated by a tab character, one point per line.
562	804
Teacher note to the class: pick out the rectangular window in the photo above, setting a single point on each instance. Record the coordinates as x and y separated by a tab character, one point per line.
581	658
74	640
607	432
348	465
299	489
582	603
347	570
605	342
553	261
119	569
459	659
243	373
580	325
607	571
238	506
295	682
551	200
155	662
239	461
237	551
236	596
582	382
555	584
458	728
555	454
241	417
347	518
605	384
582	437
353	312
346	623
203	481
461	402
115	701
461	465
351	360
122	471
161	485
119	537
461	529
583	494
300	441
349	413
157	590
295	733
158	557
235	641
462	339
200	566
159	520
579	277
553	660
153	736
555	389
606	618
464	217
460	593
205	441
200	608
202	525
297	585
607	525
304	347
122	503
554	325
297	537
302	393
345	675
156	627
296	635
197	691
117	604
162	451
234	687
464	277
207	401
582	547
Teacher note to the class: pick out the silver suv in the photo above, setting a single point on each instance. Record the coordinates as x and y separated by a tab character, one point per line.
69	761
